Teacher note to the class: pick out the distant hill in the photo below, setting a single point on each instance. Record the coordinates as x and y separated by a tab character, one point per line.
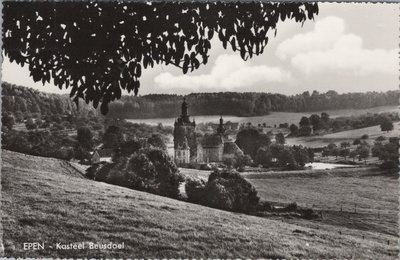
17	99
43	201
27	101
247	104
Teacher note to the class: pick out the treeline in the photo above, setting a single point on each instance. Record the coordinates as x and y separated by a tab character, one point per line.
23	102
246	104
323	124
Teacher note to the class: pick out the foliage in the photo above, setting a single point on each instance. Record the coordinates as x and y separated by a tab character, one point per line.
315	121
157	141
324	124
195	190
364	137
113	137
293	129
286	158
301	156
225	190
84	137
7	121
30	124
304	121
280	138
82	32
250	140
363	153
264	156
148	170
304	131
39	143
386	125
248	104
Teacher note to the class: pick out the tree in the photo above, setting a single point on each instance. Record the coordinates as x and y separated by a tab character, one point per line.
85	137
250	140
100	48
304	131
286	158
8	121
315	121
304	121
30	124
344	144
242	160
344	152
113	137
228	190
157	141
364	137
386	125
380	138
363	153
301	156
325	117
356	141
280	138
264	156
353	154
293	129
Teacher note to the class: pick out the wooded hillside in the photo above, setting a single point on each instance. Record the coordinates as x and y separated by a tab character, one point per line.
17	99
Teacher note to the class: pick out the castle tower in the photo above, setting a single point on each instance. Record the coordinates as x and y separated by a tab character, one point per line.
185	132
221	128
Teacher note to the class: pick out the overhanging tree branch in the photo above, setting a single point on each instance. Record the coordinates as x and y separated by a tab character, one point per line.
99	48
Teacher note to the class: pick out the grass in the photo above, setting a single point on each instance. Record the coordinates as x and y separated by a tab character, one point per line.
360	202
319	141
274	118
354	200
46	200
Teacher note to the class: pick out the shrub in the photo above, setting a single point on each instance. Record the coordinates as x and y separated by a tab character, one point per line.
291	207
195	190
388	165
364	136
264	206
228	190
147	170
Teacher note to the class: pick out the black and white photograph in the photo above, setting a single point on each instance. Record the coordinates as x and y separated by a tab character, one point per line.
200	130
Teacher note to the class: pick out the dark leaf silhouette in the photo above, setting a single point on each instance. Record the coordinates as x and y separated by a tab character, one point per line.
99	48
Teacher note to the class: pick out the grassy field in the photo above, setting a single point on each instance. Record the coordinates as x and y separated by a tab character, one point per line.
353	200
47	200
274	118
360	202
319	141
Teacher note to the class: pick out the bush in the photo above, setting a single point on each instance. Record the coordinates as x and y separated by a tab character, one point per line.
147	170
195	190
228	190
264	206
291	207
388	165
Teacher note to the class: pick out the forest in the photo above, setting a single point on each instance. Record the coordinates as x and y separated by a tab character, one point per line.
22	101
246	104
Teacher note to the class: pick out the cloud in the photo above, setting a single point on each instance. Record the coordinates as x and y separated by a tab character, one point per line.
329	47
229	72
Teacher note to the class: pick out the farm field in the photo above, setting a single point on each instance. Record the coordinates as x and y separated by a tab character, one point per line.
319	141
274	118
46	200
359	199
361	202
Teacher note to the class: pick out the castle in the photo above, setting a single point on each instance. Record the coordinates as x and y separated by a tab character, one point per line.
191	147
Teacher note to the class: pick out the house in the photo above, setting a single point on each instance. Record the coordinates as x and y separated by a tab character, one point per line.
101	155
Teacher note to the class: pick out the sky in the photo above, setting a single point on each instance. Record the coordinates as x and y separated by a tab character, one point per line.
349	47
